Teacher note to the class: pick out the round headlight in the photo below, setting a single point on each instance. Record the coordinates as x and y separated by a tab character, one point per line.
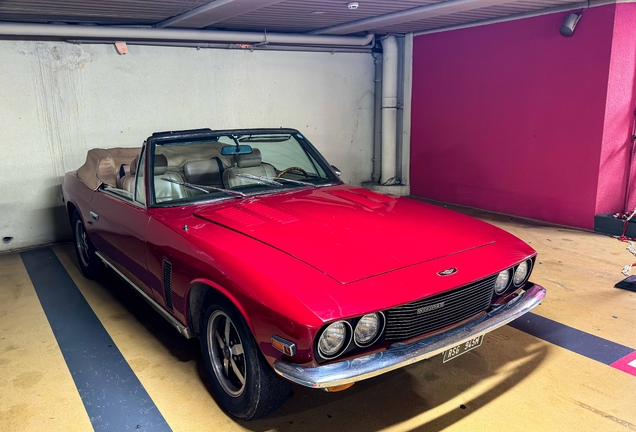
367	329
333	339
502	282
521	273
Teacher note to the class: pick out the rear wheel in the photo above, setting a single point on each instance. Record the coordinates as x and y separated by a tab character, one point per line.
243	382
89	263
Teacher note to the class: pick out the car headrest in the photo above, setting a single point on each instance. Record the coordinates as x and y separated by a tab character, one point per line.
249	160
124	170
161	164
204	172
133	165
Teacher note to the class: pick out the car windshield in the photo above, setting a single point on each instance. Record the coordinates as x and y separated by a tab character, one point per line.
232	165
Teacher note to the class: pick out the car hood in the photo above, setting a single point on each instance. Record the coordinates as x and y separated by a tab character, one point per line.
350	233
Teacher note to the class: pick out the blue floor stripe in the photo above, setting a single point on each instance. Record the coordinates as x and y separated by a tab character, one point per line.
114	398
578	341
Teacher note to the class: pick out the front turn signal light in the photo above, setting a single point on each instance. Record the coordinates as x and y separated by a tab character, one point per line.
284	346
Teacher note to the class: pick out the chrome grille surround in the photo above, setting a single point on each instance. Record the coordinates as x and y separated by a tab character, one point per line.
404	322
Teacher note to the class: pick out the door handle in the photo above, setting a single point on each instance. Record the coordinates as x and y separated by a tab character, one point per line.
94	216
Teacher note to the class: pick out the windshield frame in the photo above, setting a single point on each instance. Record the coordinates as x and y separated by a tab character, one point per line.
207	134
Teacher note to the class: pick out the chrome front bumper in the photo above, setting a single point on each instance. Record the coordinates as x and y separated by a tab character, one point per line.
399	354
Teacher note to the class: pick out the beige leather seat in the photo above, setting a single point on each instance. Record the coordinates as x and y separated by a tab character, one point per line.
124	170
207	172
247	164
127	182
164	191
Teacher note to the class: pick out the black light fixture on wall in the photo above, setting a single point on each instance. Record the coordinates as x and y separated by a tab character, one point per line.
567	28
570	21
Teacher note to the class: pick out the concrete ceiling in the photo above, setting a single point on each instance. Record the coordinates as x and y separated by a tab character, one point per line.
313	16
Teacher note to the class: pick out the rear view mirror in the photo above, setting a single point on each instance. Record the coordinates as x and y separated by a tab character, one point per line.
236	150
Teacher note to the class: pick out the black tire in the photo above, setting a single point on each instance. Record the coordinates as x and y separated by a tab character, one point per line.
262	391
89	263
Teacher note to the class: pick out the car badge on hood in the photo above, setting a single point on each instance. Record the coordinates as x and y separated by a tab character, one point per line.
447	272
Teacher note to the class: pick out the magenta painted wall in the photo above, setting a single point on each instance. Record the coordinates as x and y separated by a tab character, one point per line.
614	167
510	117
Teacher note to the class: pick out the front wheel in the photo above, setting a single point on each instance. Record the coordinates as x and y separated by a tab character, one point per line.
89	263
244	384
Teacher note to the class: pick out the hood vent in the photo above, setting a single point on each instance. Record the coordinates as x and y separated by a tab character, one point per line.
358	198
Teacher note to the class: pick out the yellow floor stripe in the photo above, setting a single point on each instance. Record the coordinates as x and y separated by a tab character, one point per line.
37	392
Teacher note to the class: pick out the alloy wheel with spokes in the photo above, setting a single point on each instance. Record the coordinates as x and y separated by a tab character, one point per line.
81	243
242	381
89	263
225	349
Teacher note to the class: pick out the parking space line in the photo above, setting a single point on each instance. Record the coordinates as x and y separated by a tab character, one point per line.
113	397
580	342
626	364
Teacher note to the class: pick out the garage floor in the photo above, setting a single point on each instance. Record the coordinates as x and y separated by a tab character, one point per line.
560	373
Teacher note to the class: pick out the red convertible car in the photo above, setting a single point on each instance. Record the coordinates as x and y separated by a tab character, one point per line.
248	240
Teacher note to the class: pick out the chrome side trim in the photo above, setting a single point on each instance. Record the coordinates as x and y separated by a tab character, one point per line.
399	354
185	331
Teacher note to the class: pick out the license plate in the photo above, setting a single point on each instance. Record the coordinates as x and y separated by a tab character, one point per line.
462	348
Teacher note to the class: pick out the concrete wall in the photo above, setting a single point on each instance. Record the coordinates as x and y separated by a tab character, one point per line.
57	100
515	118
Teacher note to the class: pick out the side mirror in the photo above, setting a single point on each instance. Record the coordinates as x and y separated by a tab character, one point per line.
336	170
236	150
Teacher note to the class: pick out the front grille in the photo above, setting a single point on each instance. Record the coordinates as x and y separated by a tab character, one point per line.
403	322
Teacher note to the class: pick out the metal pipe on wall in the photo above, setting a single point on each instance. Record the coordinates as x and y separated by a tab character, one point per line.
229	46
399	145
377	119
67	31
389	109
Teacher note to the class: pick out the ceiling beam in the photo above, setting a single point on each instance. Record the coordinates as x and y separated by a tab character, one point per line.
414	14
214	12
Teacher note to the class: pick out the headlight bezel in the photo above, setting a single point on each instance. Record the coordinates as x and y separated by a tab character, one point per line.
345	345
508	284
378	335
529	263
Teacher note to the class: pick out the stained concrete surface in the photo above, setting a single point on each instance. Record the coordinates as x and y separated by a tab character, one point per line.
514	381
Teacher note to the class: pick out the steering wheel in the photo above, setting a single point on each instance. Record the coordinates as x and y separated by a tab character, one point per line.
286	170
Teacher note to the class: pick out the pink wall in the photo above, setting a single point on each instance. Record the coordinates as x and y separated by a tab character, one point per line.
510	117
619	116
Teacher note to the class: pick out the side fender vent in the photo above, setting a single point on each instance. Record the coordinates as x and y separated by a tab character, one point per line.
167	283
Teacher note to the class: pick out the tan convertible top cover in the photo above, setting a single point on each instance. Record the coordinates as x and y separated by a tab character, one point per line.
102	165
